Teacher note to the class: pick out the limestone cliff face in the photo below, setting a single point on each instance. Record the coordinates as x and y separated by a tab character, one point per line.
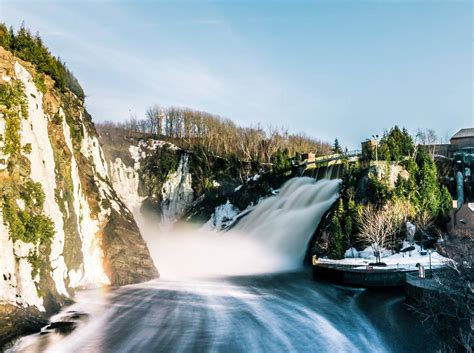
153	174
158	179
62	224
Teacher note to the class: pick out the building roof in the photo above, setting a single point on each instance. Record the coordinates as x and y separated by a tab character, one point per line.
463	133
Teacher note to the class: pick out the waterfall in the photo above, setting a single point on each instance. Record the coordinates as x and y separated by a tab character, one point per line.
333	171
271	238
286	222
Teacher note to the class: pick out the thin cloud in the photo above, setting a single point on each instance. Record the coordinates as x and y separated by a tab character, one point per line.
62	34
209	22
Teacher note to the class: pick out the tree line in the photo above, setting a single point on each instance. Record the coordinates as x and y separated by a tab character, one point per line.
397	144
30	47
196	130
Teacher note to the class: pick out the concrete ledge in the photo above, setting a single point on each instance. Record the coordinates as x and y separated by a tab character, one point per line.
349	276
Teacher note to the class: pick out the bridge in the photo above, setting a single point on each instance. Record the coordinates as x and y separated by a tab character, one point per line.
329	166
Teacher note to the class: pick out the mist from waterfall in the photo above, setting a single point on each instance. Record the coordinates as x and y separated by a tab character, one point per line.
272	238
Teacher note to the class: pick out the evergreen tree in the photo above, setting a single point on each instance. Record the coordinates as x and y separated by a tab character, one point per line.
428	186
30	48
5	39
336	148
338	238
281	161
446	203
396	145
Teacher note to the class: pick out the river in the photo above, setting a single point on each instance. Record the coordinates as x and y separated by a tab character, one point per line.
286	312
243	290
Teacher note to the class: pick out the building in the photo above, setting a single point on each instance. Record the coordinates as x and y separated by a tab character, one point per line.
308	157
464	138
461	150
369	149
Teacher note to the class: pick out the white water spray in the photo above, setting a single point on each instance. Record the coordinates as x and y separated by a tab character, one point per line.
272	238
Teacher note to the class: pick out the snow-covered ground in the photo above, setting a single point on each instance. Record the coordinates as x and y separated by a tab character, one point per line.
402	261
223	216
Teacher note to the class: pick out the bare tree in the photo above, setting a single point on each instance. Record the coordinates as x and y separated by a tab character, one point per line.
377	226
400	211
221	137
427	138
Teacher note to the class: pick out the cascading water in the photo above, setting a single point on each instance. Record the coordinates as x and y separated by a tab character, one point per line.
285	223
334	171
272	238
284	312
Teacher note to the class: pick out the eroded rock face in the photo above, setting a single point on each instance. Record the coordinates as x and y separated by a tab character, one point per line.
127	259
154	175
62	225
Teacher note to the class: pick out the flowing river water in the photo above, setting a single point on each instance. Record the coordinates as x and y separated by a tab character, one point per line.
239	291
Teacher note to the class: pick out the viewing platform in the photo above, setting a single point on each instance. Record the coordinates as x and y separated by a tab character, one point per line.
365	276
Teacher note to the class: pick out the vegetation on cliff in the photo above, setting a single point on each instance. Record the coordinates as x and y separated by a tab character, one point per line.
13	107
22	199
416	195
29	47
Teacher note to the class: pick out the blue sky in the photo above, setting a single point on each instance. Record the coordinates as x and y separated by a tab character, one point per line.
343	69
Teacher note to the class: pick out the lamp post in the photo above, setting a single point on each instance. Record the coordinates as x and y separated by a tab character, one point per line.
429	253
376	138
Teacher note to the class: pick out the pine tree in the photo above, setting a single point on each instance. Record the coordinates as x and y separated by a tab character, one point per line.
336	148
338	238
5	39
446	203
428	186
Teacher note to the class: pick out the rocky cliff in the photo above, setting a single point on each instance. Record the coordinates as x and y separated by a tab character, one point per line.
156	178
62	224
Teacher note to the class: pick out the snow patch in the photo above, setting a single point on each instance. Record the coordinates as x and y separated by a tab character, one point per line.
152	145
406	261
223	216
256	177
177	193
90	147
125	180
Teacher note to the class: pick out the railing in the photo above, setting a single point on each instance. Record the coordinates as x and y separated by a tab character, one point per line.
335	157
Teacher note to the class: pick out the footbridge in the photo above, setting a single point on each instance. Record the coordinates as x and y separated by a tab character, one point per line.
329	166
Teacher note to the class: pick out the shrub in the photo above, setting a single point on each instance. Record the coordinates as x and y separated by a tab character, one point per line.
27	148
281	161
39	82
13	105
28	224
35	263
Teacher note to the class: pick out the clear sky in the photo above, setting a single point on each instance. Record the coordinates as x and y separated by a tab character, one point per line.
343	69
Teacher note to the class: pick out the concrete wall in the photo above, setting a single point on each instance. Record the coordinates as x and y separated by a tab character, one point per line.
360	278
466	215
